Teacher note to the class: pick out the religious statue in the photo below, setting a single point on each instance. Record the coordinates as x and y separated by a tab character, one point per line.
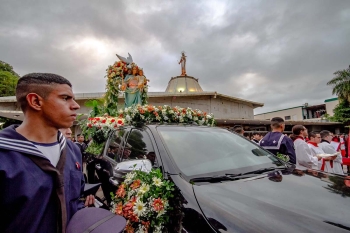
183	64
133	87
127	77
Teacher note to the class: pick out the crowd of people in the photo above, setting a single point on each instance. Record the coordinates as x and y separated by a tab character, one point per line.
315	150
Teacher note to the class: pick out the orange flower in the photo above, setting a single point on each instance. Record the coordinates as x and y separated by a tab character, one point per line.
158	204
121	191
119	208
150	108
142	111
133	200
135	184
129	229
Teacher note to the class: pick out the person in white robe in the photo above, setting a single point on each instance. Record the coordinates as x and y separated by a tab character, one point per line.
304	157
325	145
325	164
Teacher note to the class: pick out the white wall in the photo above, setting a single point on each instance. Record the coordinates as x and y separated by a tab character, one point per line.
294	113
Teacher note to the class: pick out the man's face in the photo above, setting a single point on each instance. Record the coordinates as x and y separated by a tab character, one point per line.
329	138
316	139
257	137
81	138
126	153
305	133
58	110
67	133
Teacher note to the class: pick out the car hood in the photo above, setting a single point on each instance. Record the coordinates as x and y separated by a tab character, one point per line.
300	202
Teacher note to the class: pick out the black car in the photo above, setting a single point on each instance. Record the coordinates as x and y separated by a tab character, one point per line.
228	183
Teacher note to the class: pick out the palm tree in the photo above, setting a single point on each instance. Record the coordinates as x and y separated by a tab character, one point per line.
341	84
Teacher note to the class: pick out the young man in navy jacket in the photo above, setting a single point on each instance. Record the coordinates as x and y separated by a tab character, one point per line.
41	178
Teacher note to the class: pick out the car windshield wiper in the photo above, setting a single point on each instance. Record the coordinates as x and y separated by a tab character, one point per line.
211	179
214	179
259	171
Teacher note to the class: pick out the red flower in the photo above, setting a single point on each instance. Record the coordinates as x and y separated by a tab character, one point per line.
121	191
103	121
158	204
119	208
146	224
121	116
128	212
113	120
129	229
97	119
120	122
89	125
135	184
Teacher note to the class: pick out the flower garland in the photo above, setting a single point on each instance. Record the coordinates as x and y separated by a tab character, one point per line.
143	199
148	113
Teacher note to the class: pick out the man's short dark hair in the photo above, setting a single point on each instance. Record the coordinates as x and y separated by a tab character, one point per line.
79	134
276	122
39	83
312	134
297	129
325	133
257	133
238	129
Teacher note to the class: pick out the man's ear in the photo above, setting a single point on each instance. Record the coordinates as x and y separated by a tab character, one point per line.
34	101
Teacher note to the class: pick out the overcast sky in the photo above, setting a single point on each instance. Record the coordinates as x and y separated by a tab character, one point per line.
280	53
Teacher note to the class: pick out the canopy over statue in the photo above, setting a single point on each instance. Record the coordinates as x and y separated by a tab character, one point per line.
126	77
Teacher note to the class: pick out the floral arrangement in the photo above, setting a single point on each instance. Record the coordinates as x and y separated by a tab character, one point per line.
143	199
148	113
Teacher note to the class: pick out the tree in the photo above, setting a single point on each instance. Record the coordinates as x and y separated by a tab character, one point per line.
8	82
8	79
341	84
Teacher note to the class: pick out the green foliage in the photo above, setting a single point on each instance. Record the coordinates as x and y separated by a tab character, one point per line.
8	82
341	112
95	148
7	67
283	157
341	84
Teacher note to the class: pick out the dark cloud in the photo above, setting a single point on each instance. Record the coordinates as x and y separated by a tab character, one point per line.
281	53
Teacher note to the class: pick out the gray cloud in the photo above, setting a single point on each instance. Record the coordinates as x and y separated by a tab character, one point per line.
281	53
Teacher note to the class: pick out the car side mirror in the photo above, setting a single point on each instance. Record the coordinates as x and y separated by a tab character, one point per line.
137	164
122	168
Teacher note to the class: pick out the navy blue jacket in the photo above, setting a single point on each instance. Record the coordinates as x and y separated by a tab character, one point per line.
277	142
27	194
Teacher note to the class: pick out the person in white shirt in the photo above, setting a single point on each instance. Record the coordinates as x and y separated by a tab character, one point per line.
325	164
326	139
304	157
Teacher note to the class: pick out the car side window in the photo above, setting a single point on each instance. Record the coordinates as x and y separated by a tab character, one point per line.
139	146
115	144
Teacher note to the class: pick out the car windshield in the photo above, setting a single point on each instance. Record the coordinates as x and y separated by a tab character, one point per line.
204	150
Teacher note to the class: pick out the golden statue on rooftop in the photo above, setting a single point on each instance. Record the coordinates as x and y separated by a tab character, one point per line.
183	64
